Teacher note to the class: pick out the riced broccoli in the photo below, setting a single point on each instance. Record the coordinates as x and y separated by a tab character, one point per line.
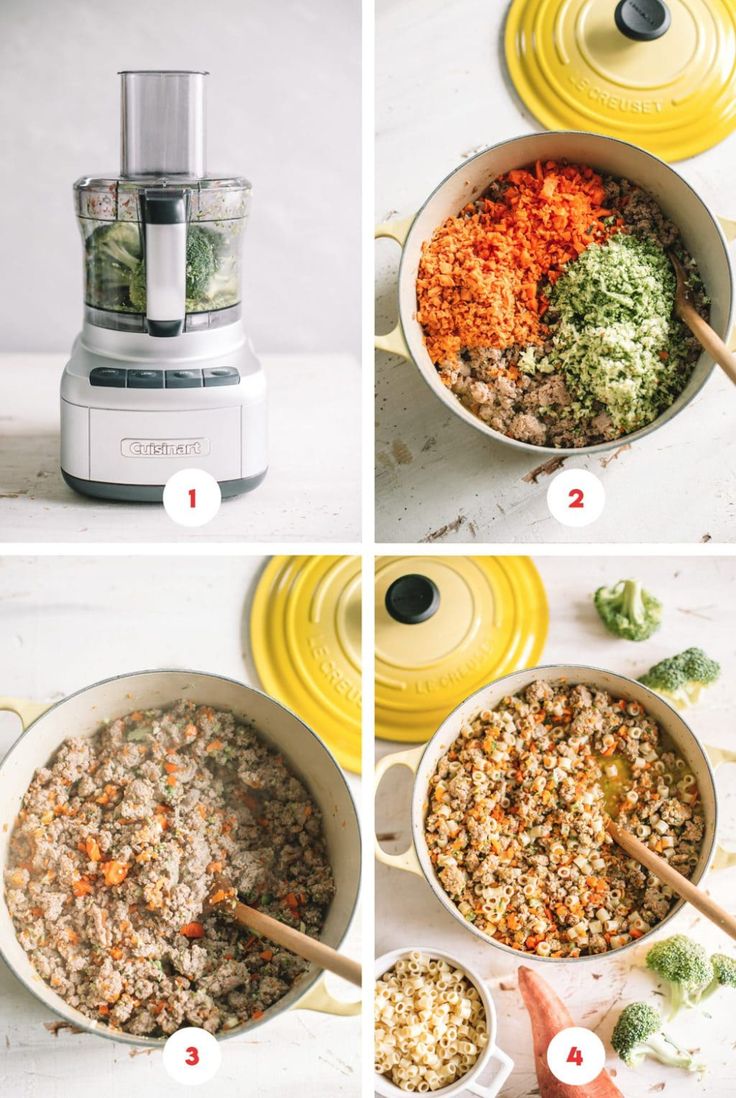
638	1033
627	610
681	678
684	967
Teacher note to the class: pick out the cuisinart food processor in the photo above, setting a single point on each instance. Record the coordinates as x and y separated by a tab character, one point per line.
162	376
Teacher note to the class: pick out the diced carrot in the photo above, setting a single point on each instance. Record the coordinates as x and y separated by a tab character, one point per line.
116	953
114	872
214	745
170	768
192	930
214	867
267	954
257	1014
104	1008
171	780
82	886
93	849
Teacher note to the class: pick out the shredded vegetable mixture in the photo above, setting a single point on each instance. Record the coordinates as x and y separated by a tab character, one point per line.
515	825
547	306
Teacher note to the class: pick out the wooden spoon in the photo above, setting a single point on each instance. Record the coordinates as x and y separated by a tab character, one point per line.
661	868
223	899
701	329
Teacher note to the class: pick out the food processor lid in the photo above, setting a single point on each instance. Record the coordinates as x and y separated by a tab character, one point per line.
305	640
445	626
660	75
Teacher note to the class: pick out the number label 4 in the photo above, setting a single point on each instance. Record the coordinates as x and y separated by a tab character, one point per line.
575	1056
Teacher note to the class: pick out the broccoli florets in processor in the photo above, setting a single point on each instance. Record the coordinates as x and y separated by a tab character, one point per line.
681	678
627	610
684	967
638	1033
116	269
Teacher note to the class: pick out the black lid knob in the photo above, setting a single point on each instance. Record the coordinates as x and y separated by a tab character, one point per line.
643	20
412	599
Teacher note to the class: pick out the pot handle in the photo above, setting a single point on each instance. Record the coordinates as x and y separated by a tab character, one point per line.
27	710
408	860
393	343
724	858
490	1090
320	999
728	225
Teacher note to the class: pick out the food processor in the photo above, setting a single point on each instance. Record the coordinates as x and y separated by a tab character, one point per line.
162	376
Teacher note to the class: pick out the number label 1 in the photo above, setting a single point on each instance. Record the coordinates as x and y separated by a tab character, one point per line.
575	495
193	497
575	1056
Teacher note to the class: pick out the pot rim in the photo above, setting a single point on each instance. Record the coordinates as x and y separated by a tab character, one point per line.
387	960
100	1029
417	826
451	401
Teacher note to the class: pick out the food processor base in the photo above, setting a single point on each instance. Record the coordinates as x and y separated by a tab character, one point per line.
152	493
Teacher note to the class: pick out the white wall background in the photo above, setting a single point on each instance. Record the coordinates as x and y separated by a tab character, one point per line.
283	103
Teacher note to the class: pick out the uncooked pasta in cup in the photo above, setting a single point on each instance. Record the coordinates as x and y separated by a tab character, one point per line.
430	1024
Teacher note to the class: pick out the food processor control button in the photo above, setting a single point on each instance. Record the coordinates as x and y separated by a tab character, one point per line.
183	379
221	375
145	379
108	375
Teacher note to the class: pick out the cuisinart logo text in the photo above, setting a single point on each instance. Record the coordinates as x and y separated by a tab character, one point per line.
164	447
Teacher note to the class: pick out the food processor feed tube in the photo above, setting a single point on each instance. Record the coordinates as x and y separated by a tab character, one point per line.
162	376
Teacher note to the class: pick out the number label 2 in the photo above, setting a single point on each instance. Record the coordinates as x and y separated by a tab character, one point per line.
193	1057
575	1056
576	495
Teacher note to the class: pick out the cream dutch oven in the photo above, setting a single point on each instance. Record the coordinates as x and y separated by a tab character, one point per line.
422	761
80	714
701	230
491	1054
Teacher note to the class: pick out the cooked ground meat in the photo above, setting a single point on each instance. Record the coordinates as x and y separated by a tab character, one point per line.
116	848
515	825
538	408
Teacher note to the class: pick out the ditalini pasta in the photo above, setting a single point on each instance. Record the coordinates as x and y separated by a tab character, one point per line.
430	1024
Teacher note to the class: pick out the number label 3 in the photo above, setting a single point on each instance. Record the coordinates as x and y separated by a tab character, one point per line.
575	495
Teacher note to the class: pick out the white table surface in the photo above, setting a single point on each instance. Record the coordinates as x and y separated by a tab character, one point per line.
441	95
311	492
66	622
700	606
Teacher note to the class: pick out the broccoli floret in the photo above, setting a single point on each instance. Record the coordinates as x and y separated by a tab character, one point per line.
638	1033
137	288
201	261
681	678
724	975
113	256
684	967
627	610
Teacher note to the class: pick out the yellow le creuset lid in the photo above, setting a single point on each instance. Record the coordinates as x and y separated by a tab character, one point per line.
445	626
305	640
660	75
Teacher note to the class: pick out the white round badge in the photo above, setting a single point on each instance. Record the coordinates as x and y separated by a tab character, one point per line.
576	1056
192	497
192	1056
576	497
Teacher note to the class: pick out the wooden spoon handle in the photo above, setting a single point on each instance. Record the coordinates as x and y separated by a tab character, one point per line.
301	944
661	868
708	339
